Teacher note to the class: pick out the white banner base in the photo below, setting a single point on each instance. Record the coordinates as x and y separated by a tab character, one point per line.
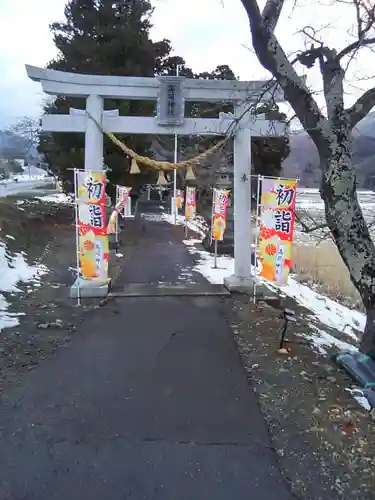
88	289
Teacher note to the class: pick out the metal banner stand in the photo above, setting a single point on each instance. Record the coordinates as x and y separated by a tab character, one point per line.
215	255
117	220
186	212
257	224
77	234
212	214
212	228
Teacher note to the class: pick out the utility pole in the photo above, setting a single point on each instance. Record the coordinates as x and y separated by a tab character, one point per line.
174	199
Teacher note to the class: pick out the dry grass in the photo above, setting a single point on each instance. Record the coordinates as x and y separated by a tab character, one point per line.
323	266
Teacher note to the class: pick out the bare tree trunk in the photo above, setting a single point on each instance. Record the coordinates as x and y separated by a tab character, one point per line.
367	345
351	234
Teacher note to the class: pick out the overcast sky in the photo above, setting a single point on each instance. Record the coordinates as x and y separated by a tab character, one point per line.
202	31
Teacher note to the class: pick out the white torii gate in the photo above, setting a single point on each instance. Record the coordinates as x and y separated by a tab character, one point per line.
170	94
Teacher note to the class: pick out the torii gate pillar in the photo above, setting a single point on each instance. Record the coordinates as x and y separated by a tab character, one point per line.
241	280
93	135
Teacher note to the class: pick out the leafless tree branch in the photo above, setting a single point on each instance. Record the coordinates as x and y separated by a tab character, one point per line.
361	107
273	58
365	17
271	14
308	228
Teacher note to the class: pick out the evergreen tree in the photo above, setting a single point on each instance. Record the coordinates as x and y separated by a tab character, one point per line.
108	38
113	38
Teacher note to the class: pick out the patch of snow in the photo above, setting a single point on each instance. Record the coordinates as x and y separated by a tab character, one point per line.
27	178
186	275
26	202
328	311
191	243
10	187
58	198
153	217
205	262
13	270
359	397
197	225
321	339
7	319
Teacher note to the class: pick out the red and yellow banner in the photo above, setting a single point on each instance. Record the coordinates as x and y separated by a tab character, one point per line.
92	229
122	199
190	204
179	198
123	195
278	203
219	213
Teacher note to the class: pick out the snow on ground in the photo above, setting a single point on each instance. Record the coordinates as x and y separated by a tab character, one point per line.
328	311
322	340
58	198
31	178
13	270
198	225
12	188
310	200
358	395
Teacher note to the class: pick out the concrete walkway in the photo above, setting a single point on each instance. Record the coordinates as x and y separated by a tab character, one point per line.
148	401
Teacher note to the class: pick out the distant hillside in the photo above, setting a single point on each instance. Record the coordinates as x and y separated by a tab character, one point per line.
15	146
303	161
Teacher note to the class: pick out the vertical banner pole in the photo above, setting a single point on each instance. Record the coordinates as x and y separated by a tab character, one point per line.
117	219
212	228
256	233
174	199
212	214
77	233
186	211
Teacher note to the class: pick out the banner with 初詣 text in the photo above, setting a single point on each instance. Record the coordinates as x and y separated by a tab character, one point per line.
179	198
123	198
219	213
92	229
190	205
278	201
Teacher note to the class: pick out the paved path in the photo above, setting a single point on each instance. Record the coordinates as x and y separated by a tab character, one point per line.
148	401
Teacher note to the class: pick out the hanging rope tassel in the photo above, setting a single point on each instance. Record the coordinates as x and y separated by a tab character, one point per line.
134	169
190	174
162	181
